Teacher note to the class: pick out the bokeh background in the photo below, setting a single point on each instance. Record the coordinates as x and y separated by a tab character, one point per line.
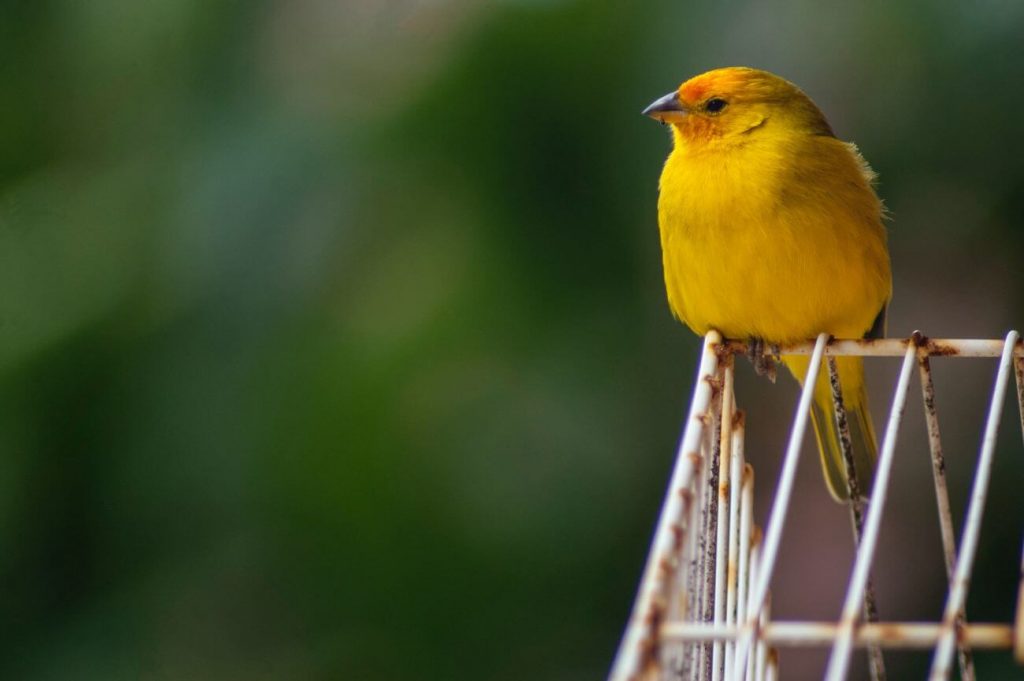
333	342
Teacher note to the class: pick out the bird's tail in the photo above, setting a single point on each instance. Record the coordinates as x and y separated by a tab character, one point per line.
858	417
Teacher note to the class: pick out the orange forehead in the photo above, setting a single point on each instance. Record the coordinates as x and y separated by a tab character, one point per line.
694	90
726	81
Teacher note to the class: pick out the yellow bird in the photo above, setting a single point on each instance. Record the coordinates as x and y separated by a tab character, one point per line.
771	231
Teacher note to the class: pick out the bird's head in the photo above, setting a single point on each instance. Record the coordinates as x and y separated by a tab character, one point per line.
735	103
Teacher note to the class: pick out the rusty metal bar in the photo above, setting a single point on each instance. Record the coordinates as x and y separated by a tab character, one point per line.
964	655
876	663
762	650
892	347
694	542
737	467
771	673
640	641
893	635
756	539
709	535
745	545
722	516
697	655
783	496
694	556
839	660
975	509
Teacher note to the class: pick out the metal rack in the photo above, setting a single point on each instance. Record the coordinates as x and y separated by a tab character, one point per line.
702	612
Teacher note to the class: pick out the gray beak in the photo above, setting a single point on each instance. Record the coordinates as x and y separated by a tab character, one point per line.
666	109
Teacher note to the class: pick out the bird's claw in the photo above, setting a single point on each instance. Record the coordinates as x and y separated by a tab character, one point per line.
763	357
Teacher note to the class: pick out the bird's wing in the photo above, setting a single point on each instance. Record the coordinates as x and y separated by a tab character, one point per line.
877	329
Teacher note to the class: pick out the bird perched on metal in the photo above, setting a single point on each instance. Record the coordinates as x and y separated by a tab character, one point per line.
771	231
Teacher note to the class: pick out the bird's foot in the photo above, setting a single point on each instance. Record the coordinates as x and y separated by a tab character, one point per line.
763	357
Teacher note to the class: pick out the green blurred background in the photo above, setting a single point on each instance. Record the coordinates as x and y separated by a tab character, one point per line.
333	343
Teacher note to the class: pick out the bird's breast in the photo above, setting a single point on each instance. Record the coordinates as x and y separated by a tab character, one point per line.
748	254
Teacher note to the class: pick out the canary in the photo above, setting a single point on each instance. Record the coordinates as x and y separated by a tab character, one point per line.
771	231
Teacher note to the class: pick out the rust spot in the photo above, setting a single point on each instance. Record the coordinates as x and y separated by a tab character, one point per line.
695	459
715	383
889	632
650	645
756	535
929	387
748	473
928	391
931	347
944	627
648	662
739	418
941	349
723	490
731	570
655	615
677	536
735	347
929	397
842	425
773	657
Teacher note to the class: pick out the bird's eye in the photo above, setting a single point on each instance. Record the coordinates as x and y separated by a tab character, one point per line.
714	105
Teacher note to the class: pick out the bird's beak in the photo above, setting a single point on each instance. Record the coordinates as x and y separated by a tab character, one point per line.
667	109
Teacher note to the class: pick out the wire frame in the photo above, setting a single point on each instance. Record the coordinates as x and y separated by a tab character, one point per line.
703	609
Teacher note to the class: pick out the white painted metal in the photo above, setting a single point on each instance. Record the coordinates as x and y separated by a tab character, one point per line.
722	540
895	347
975	509
783	495
702	611
909	635
734	554
840	659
